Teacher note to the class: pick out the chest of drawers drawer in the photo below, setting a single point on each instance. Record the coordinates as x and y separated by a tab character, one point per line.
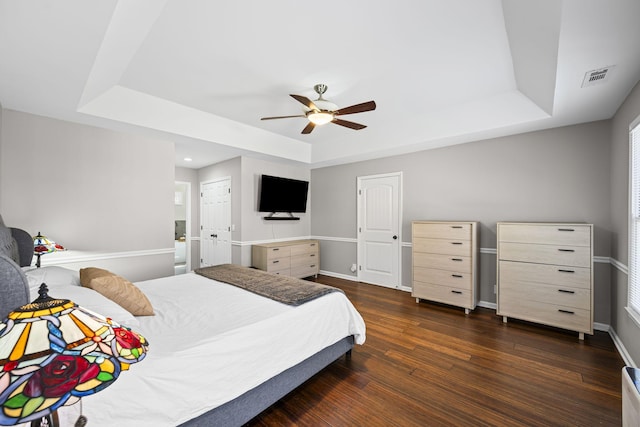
528	275
279	252
442	246
443	262
303	249
442	231
448	295
579	256
442	277
551	234
571	318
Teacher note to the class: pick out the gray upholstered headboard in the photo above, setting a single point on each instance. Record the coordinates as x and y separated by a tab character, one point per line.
14	286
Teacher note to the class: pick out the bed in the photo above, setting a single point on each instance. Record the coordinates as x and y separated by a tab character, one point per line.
219	354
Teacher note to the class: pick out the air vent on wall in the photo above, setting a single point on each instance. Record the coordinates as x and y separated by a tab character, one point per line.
598	76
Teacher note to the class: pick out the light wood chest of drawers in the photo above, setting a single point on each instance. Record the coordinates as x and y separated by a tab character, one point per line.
296	258
445	265
545	274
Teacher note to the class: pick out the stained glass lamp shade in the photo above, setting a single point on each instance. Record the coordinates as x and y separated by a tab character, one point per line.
54	352
42	245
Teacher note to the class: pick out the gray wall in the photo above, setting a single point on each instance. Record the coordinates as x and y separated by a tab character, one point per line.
625	328
553	175
89	189
250	227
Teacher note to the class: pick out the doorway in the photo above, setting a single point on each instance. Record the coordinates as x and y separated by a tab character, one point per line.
215	222
379	229
182	227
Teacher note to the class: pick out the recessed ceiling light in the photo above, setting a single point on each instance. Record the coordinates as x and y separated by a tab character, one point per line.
188	159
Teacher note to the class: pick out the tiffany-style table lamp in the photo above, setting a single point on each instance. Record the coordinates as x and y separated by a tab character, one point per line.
53	353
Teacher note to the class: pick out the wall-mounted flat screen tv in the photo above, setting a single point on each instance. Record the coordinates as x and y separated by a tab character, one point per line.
282	194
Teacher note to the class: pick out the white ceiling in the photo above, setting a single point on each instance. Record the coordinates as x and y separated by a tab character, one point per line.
202	73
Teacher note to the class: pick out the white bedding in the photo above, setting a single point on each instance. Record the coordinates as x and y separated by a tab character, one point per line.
209	343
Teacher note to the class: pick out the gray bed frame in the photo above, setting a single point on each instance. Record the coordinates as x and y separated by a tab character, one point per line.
14	289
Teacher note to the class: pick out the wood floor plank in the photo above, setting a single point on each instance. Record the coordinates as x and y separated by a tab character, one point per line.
430	364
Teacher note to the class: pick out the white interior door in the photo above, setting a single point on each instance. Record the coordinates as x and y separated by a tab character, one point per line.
215	222
379	237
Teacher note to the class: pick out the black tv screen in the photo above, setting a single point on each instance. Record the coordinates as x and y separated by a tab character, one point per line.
282	194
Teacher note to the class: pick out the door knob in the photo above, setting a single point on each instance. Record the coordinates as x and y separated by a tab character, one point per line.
395	237
215	236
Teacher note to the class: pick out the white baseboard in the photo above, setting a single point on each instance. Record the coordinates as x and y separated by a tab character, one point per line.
626	357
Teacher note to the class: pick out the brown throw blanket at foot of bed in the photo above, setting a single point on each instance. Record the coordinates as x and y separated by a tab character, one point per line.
284	289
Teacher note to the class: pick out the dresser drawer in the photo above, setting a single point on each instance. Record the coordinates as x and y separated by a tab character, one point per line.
442	277
283	272
278	252
547	234
565	296
572	318
304	259
435	230
445	294
278	264
304	270
532	275
442	246
578	256
307	248
443	262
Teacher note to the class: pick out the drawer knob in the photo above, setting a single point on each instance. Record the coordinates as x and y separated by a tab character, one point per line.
456	292
312	255
456	243
276	249
561	270
456	259
457	275
566	250
312	265
565	311
276	261
566	229
564	291
456	226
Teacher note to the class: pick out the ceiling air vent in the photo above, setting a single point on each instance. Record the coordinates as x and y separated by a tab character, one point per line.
598	76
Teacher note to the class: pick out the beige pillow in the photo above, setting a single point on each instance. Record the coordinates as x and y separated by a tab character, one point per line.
117	289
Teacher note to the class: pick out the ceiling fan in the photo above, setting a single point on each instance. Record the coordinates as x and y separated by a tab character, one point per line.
321	111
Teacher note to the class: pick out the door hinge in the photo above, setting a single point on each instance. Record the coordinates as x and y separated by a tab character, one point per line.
360	229
360	192
229	190
201	194
228	228
360	267
201	228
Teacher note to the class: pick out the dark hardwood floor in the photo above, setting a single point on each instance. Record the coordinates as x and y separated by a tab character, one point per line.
428	365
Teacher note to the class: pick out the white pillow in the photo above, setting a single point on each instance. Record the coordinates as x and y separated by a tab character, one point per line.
92	300
51	275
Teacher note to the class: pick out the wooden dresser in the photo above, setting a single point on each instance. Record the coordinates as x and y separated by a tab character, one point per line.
445	264
296	258
545	274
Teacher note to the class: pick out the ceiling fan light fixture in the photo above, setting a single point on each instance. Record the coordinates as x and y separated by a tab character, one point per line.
320	117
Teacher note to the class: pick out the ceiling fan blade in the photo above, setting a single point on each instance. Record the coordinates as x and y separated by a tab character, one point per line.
358	108
308	128
281	117
305	101
351	125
